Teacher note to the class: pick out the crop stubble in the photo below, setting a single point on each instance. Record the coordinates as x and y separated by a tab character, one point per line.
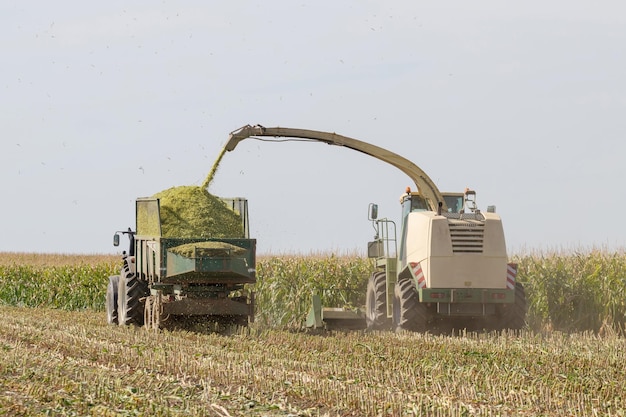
72	363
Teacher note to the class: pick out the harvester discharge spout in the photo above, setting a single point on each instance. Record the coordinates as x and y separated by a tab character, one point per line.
422	181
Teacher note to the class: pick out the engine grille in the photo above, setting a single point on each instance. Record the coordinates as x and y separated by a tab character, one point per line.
467	235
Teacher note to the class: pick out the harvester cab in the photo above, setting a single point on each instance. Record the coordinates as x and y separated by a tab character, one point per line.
454	201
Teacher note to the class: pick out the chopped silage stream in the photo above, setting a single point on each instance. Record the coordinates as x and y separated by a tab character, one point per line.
193	212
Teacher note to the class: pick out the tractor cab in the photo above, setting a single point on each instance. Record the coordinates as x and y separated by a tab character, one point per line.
131	238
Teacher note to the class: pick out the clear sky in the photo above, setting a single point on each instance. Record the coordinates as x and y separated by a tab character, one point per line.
103	102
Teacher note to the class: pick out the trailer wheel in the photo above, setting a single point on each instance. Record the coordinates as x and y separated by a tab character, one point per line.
408	312
376	302
131	300
111	299
514	317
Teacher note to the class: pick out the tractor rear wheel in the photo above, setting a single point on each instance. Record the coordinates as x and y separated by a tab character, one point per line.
408	312
376	302
111	299
131	300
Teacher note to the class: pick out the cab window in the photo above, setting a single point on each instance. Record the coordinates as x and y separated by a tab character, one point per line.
418	203
454	203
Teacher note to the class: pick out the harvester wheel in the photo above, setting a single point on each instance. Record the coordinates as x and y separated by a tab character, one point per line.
111	299
131	300
515	317
376	302
408	312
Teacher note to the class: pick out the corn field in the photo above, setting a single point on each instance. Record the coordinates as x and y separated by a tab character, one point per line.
575	291
56	281
570	292
285	285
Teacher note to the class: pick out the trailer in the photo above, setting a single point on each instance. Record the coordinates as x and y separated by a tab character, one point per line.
172	282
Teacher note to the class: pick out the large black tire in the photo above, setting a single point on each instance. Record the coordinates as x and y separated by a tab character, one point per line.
408	312
131	299
514	317
376	302
111	299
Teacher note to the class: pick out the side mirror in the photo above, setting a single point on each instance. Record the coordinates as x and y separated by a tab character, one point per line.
373	211
116	240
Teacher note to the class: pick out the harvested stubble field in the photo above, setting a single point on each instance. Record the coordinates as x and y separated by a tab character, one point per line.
64	360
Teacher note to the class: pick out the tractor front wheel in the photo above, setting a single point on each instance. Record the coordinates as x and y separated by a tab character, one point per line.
132	293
